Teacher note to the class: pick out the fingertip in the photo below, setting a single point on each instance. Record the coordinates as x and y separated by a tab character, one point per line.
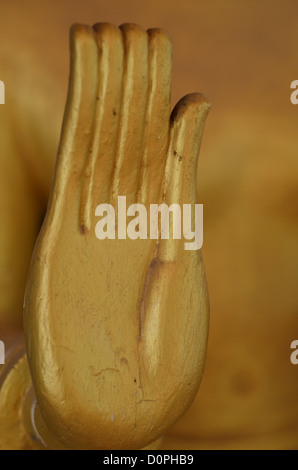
109	37
190	105
81	33
187	125
132	31
110	31
160	37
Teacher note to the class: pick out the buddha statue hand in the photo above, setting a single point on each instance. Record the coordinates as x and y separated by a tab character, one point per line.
116	328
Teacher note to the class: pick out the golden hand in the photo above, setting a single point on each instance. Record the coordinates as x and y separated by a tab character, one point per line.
116	330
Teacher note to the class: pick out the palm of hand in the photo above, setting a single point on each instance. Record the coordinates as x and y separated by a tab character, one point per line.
116	329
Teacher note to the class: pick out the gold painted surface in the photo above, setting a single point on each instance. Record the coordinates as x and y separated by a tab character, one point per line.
15	427
22	426
109	350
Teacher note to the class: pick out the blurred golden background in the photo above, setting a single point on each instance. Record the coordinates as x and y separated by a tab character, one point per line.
243	56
